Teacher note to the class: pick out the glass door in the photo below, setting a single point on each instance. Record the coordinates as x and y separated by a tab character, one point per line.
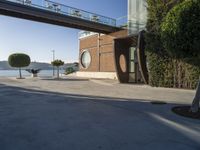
132	59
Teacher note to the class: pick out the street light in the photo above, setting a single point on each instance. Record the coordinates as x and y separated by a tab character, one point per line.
53	51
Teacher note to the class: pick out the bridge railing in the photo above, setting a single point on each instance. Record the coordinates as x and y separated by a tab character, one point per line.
67	10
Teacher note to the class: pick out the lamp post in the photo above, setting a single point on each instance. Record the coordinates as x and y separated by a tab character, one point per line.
53	51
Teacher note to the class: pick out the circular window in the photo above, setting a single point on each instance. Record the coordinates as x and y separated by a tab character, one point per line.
85	59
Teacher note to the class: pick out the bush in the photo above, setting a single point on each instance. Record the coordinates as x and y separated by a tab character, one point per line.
180	31
69	70
19	60
165	70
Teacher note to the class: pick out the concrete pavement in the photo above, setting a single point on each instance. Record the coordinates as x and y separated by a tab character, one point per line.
108	88
74	114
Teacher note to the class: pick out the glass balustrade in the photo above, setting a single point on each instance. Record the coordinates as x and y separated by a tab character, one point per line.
137	16
67	10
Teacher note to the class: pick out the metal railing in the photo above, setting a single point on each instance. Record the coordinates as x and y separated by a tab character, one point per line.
83	34
68	11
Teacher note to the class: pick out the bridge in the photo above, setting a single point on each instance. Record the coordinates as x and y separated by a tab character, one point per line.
58	14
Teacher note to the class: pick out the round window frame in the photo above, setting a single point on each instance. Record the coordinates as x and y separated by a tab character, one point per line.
84	51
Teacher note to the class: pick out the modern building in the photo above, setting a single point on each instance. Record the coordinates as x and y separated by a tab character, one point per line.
119	55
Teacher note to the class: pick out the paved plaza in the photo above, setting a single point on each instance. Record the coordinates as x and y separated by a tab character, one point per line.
90	114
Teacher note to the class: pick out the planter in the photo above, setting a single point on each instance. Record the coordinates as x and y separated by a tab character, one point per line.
34	75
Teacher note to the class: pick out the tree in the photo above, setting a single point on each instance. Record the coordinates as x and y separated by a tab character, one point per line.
57	63
161	72
19	60
181	37
180	31
196	101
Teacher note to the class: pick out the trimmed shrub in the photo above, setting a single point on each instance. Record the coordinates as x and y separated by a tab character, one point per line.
165	70
180	31
19	60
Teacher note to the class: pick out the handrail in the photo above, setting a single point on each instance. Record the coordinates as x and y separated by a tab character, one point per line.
68	11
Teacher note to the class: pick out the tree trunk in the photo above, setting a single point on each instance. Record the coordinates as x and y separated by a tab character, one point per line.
58	72
20	73
179	74
175	72
196	101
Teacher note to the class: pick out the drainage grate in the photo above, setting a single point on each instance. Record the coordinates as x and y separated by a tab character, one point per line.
158	103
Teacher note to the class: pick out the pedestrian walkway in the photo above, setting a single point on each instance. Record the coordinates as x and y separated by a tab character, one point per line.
46	114
104	87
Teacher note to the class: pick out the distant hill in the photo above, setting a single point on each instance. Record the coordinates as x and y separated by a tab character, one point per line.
4	65
37	65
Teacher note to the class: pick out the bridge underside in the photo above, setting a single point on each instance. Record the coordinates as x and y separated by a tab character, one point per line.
36	14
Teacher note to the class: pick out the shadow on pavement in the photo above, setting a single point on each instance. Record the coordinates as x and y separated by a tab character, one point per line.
64	79
35	119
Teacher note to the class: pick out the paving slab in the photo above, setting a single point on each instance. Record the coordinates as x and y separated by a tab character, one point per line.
108	88
46	114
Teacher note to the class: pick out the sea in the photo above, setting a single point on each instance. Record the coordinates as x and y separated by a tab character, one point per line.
15	73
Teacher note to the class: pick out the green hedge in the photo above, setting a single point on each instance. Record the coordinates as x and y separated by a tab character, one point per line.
165	70
180	31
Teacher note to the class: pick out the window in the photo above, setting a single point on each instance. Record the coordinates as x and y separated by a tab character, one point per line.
132	65
85	59
132	59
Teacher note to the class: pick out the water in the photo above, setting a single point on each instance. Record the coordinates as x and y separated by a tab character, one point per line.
15	73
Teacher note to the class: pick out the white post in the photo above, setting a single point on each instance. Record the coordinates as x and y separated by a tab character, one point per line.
53	51
20	73
58	72
196	101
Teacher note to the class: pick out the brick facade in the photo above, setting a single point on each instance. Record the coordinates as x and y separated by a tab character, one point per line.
101	48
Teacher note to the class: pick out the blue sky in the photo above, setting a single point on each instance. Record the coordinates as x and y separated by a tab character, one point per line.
38	39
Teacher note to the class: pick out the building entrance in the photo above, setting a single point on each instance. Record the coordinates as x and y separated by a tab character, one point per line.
134	72
132	49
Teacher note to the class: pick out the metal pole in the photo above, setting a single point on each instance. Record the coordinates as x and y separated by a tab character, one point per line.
53	51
